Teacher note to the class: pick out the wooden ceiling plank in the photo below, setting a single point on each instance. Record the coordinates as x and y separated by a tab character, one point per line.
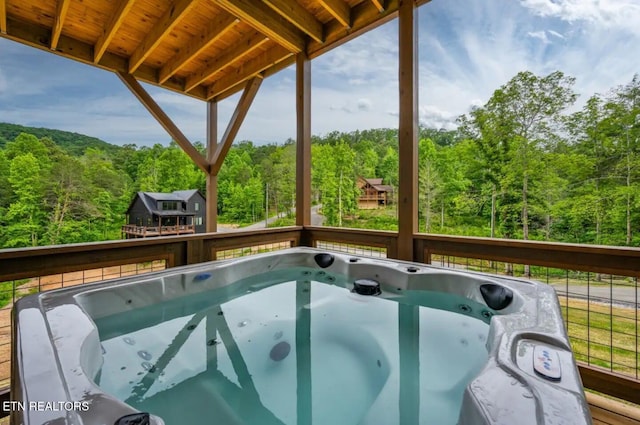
262	18
365	16
379	4
36	36
249	69
164	120
196	45
339	10
122	9
3	16
58	22
298	16
235	123
247	44
161	29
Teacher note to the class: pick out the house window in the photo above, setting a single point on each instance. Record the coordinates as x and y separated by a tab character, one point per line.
198	220
169	206
197	206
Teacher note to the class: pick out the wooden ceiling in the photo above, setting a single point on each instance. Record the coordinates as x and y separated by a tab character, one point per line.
203	48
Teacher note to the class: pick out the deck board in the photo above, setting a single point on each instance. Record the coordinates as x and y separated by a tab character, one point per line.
606	411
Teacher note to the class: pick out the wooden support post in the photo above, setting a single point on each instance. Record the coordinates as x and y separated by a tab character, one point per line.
211	207
136	88
303	140
408	129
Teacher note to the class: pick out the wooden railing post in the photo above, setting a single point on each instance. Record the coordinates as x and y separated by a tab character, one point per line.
408	128
303	140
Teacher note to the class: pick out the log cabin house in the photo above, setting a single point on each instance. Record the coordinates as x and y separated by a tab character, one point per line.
374	194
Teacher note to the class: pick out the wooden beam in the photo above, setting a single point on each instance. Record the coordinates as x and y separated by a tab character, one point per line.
196	45
379	4
122	9
273	69
239	114
298	16
212	179
303	140
339	10
164	120
262	18
3	16
58	22
364	17
247	44
161	29
408	129
249	69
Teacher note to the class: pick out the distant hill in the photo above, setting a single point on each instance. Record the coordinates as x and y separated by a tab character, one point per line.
73	143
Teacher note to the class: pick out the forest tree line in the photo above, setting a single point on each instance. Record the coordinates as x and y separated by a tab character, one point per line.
525	165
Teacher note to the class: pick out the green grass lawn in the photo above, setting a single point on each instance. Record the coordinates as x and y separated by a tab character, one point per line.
603	335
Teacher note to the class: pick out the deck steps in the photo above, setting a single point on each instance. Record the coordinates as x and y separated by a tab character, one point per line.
606	411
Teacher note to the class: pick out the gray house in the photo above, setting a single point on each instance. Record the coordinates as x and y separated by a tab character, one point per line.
162	214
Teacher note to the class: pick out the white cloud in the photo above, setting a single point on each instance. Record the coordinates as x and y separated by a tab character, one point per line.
541	35
618	14
556	34
434	117
364	104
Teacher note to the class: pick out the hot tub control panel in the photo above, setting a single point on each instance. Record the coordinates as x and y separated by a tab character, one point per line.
546	362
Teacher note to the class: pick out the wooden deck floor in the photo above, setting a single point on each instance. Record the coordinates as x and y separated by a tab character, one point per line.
606	411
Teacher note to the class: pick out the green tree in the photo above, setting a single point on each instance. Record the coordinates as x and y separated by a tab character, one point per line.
586	166
388	167
176	171
25	214
625	122
429	178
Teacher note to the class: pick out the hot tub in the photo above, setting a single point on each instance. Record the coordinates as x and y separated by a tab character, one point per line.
299	336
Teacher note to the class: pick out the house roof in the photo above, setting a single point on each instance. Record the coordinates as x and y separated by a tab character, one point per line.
151	199
206	49
373	182
376	183
383	187
185	194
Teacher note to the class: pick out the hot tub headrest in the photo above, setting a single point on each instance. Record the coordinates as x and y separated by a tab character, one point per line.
496	296
324	260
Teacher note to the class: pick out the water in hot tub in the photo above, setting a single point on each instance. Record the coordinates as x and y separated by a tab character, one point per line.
296	347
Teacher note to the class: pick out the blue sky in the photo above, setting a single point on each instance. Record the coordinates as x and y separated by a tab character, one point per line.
468	48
